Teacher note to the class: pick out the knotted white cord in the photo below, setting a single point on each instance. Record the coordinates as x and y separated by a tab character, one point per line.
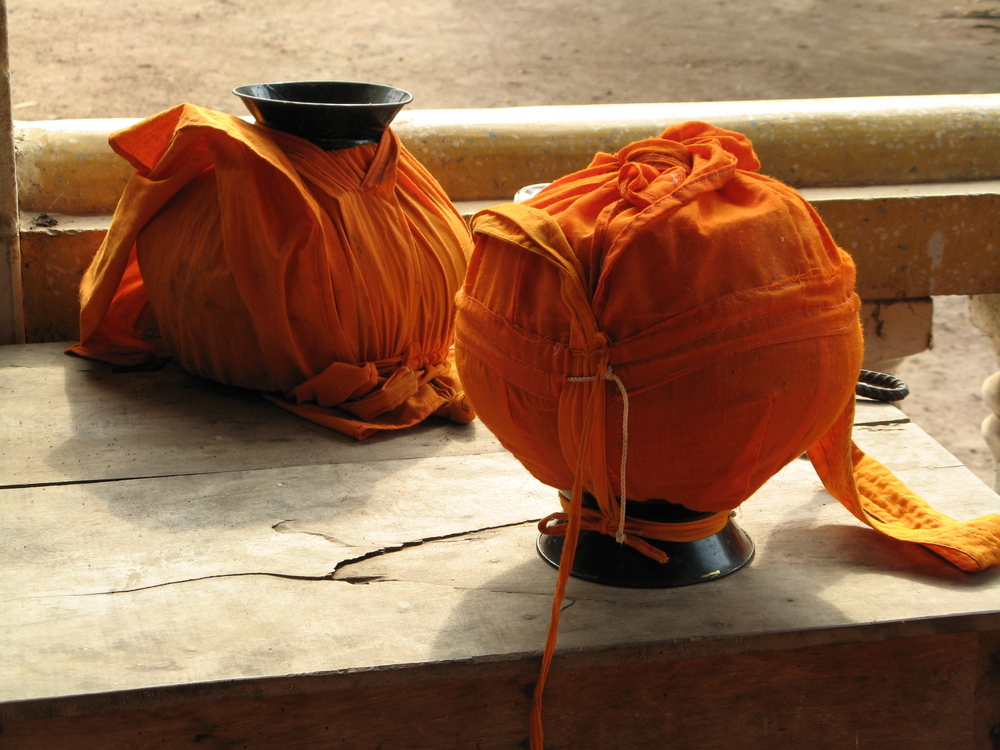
610	375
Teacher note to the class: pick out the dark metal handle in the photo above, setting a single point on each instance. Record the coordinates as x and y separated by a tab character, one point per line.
880	386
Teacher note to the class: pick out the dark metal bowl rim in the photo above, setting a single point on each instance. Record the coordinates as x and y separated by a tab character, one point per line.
244	92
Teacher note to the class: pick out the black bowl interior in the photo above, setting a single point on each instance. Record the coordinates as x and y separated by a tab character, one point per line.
331	114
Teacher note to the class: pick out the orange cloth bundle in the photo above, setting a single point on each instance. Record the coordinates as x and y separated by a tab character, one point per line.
325	279
668	324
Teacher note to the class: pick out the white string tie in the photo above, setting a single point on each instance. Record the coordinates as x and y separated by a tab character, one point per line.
610	375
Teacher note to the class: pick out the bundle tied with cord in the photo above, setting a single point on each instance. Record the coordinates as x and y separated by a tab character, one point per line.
667	324
325	279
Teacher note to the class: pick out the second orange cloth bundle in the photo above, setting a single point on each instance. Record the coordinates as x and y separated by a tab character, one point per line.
715	299
669	324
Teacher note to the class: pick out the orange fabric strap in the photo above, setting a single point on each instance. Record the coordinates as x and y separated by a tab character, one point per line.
876	497
636	530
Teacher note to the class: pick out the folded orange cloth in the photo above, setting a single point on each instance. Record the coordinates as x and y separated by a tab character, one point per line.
667	323
325	279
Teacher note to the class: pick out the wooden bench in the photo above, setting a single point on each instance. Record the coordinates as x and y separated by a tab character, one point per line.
187	564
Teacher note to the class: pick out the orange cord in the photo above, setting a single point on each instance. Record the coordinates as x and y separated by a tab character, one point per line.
609	520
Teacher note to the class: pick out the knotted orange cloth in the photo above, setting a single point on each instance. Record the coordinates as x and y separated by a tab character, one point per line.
325	279
668	324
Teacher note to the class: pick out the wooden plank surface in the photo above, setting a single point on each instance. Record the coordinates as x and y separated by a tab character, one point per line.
266	567
909	694
67	419
987	692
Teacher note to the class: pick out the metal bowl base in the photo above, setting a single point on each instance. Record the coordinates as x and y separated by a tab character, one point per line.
599	558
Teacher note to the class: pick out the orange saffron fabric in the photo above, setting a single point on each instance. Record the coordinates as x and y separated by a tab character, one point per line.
324	279
717	299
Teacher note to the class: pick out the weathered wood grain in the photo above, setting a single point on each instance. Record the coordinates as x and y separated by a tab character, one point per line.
67	419
987	719
296	570
292	581
899	695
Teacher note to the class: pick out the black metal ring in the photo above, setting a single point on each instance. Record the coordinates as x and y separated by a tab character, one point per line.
881	386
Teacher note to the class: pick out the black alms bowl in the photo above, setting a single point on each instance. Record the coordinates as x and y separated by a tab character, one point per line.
331	114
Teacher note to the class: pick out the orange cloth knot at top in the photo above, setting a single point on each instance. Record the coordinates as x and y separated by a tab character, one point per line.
325	279
648	173
727	316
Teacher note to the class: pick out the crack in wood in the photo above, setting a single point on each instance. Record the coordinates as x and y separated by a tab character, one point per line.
283	527
326	577
110	480
102	480
363	580
332	575
417	542
883	422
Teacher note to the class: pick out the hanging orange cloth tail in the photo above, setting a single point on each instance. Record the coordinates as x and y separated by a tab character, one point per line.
583	428
573	519
876	497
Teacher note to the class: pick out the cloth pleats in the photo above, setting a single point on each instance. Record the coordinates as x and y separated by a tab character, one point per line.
324	279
